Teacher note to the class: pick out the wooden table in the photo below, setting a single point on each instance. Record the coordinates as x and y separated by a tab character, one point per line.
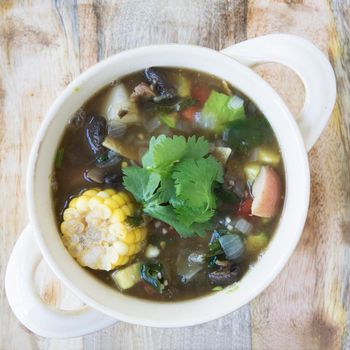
46	44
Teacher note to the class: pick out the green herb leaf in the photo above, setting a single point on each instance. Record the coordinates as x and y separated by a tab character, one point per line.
59	158
220	109
176	183
152	274
197	193
166	106
245	134
196	147
141	183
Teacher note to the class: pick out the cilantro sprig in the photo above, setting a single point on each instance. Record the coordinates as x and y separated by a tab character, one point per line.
176	183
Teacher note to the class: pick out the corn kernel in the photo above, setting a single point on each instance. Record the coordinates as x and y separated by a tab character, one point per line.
121	248
126	210
131	251
138	234
125	196
94	202
102	194
73	203
83	204
118	216
110	191
90	193
129	237
111	203
102	212
71	213
119	199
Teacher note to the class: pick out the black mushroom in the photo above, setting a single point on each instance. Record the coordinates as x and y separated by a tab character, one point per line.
96	132
157	80
225	275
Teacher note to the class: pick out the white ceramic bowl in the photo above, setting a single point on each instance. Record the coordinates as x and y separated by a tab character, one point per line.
294	52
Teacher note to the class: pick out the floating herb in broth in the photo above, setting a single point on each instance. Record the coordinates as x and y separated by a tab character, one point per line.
170	185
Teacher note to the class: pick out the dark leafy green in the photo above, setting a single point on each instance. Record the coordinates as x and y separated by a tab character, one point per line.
245	134
152	274
166	106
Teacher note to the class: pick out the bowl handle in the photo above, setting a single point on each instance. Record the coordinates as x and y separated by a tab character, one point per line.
308	62
40	318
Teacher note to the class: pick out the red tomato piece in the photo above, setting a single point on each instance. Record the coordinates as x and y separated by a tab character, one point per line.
189	112
201	93
245	208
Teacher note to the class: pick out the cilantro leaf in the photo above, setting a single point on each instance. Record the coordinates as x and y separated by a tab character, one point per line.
197	193
196	148
163	153
176	184
141	183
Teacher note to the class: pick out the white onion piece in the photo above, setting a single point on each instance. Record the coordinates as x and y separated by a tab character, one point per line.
243	226
116	128
152	124
232	246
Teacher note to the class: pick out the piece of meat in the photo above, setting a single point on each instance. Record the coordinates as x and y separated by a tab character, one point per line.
142	91
266	192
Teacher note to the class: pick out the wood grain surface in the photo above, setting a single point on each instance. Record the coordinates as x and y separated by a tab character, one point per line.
46	44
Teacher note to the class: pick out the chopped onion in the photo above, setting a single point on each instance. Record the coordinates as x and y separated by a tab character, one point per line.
187	266
243	226
95	175
235	102
232	246
152	124
116	128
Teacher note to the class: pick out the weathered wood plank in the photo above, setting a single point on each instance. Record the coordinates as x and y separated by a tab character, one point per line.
304	307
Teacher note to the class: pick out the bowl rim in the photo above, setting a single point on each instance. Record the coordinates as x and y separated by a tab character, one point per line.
150	51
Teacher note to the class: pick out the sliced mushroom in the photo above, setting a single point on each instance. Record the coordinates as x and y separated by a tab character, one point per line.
222	154
118	147
157	79
226	275
96	132
266	192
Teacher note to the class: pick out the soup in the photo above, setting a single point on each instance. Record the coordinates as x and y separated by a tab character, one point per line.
168	184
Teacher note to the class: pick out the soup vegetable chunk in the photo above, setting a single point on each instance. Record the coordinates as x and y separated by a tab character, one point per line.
168	184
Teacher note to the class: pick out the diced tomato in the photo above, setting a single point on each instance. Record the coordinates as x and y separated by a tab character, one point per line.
245	208
190	112
201	93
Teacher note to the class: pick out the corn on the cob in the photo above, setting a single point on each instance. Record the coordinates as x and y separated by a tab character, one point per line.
95	230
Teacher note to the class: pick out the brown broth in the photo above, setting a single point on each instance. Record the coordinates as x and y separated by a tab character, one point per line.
69	179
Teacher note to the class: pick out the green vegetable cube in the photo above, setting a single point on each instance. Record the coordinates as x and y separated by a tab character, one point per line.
127	277
268	155
254	244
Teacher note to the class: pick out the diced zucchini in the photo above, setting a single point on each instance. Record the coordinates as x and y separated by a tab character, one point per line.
251	171
183	86
127	277
169	120
254	244
268	155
